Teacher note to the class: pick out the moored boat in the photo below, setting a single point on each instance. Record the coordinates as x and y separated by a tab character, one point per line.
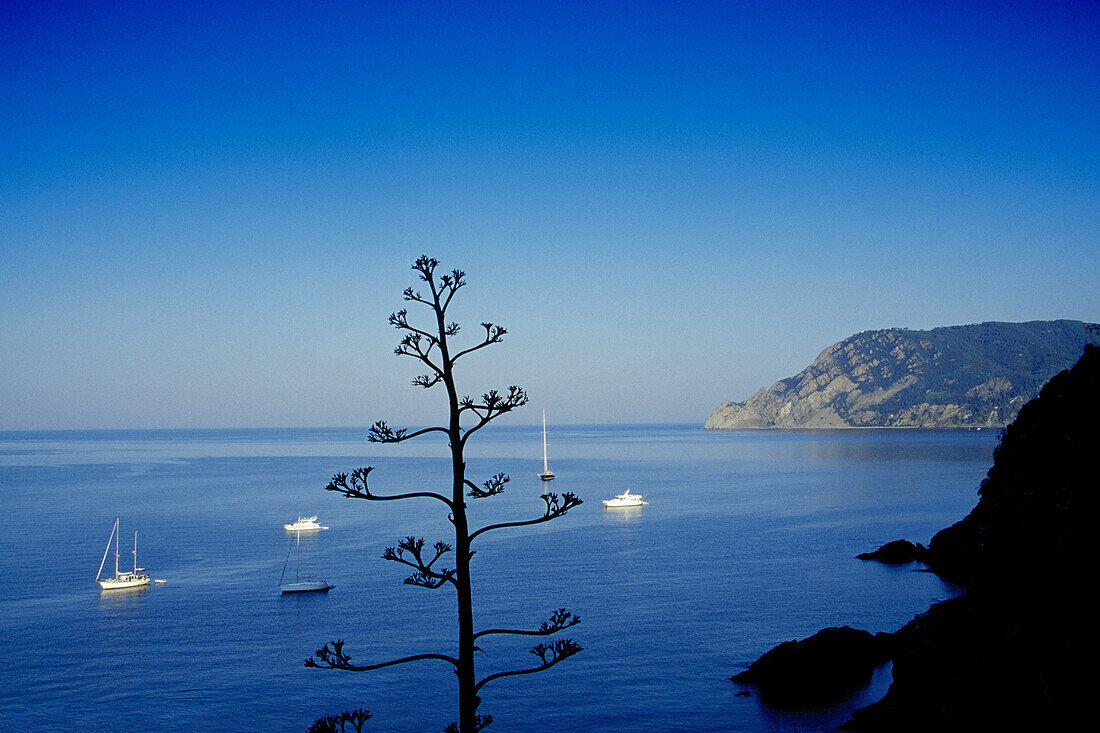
546	474
304	524
122	578
301	584
625	499
306	586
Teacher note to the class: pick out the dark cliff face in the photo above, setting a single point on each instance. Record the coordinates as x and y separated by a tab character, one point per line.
1019	650
958	376
1038	509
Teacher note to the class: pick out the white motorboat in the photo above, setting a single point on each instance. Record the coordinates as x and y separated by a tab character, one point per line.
304	524
625	499
547	474
301	584
124	578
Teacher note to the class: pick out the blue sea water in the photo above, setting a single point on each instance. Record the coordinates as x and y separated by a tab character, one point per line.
748	541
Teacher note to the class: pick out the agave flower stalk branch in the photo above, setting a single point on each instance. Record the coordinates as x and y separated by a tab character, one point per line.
381	432
425	576
337	658
550	654
492	487
355	487
560	619
555	507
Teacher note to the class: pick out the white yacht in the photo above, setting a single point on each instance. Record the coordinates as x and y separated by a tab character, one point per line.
125	578
304	524
625	499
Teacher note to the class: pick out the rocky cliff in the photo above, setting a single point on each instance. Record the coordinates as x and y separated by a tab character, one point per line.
1017	651
957	376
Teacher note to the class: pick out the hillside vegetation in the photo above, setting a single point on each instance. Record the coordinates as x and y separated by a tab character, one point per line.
957	376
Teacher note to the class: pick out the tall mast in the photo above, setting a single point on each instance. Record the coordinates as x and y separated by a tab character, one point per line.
135	552
106	550
545	468
116	547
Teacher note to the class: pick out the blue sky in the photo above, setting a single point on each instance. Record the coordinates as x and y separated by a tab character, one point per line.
208	210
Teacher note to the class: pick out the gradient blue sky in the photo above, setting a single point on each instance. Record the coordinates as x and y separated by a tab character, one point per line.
208	210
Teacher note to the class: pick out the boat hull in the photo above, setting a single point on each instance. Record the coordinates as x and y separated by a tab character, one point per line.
120	583
306	586
548	476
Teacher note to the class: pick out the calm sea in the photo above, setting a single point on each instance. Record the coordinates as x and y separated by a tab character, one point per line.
748	540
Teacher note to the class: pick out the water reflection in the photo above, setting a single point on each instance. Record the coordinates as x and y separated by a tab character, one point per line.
623	514
120	599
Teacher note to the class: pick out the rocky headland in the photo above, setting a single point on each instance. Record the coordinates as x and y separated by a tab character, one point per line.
1018	650
953	377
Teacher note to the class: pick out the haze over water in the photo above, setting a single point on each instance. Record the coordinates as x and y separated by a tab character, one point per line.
748	540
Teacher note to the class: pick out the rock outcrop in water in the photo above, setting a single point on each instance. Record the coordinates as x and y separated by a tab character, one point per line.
1017	651
897	552
957	376
831	665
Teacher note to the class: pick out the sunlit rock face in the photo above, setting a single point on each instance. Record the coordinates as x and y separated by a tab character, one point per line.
952	377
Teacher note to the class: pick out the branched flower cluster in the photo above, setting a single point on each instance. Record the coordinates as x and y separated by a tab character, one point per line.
425	576
353	487
337	723
494	334
560	619
492	487
449	284
551	654
380	432
556	507
419	344
493	403
334	658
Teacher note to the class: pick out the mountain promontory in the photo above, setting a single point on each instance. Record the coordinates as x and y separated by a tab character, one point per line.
977	375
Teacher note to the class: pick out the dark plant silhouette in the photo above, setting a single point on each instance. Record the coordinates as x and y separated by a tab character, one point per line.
432	347
338	723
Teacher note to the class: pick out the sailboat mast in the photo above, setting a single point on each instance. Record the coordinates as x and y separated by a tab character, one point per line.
116	547
135	552
545	467
106	550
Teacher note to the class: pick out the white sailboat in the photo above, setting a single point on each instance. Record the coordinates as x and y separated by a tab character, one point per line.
300	584
546	474
125	578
